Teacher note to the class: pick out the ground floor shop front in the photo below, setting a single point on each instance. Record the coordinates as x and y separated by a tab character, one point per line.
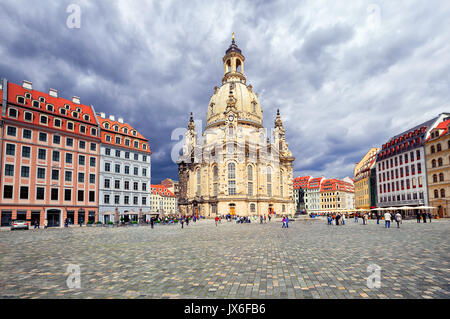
56	216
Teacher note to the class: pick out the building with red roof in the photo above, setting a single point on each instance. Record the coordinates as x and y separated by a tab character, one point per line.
125	171
401	167
49	157
437	159
300	184
336	196
163	200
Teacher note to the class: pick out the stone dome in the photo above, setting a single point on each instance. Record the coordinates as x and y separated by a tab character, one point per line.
247	104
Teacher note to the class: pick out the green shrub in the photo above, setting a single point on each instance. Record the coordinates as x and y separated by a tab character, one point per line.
134	222
110	223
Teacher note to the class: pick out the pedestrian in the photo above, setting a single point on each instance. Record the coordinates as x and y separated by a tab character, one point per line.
36	224
343	219
187	221
45	223
284	222
216	219
424	216
418	216
429	216
66	223
270	217
182	222
287	221
265	221
338	216
151	222
378	218
398	219
387	220
356	217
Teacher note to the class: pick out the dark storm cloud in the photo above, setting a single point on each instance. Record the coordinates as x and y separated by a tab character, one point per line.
345	77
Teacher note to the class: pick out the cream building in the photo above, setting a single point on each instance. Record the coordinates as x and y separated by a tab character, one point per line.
365	180
232	166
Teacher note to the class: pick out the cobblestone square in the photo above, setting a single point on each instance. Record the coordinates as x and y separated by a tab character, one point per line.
308	260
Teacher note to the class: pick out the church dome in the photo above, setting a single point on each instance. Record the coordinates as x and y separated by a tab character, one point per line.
247	104
234	83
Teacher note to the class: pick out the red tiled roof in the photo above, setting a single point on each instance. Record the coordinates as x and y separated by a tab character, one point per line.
161	190
15	90
112	132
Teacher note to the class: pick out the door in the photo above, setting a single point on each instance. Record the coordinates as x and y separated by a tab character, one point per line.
232	210
54	218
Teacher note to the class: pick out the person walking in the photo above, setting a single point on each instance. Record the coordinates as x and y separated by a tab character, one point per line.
338	216
216	219
36	224
265	221
356	217
45	223
429	216
378	218
424	216
151	222
182	222
284	222
387	220
187	221
261	219
418	216
270	217
398	219
287	221
343	219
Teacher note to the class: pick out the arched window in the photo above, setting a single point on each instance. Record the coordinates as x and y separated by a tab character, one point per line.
438	147
432	149
199	182
436	193
215	180
106	125
238	65
269	181
440	161
434	178
281	184
442	192
441	177
433	163
252	208
231	179
250	173
250	180
283	208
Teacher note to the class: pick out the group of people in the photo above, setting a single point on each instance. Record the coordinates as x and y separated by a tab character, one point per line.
338	219
285	222
423	215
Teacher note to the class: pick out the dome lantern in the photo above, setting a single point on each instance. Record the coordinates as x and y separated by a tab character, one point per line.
233	64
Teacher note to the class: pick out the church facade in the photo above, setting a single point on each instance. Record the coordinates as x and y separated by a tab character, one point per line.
233	167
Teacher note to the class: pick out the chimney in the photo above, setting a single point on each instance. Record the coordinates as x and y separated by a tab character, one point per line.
102	115
76	99
27	85
112	118
53	92
120	119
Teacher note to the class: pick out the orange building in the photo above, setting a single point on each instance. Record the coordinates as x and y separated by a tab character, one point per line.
49	157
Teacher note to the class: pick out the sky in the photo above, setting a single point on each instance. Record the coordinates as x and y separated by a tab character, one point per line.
346	75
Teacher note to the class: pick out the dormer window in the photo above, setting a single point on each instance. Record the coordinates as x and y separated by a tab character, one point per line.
36	103
62	111
125	130
75	114
50	108
20	100
67	106
106	125
42	99
116	128
79	109
28	95
134	133
86	117
144	146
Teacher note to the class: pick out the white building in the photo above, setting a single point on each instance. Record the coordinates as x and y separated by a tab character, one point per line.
163	201
125	171
401	169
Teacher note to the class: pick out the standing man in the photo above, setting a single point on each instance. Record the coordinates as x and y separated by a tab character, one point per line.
182	222
418	216
287	221
398	219
424	216
378	217
387	220
429	215
356	217
151	222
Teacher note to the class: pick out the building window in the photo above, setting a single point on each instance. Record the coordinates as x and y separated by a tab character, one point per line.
442	193
80	177
107	183
127	170
13	113
136	157
436	193
106	199
93	147
92	162
70	126
126	185
107	167
68	176
43	119
81	160
252	208
92	178
441	177
11	131
440	161
40	193
55	174
23	192
127	154
117	168
26	151
117	184
67	194
80	196
199	182
69	158
117	153
25	171
91	196
136	171
10	149
56	139
8	191
9	170
144	172
54	194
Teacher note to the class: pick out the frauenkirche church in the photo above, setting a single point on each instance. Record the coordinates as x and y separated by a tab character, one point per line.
233	167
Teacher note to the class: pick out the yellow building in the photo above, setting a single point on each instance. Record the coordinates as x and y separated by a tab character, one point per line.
437	150
232	167
365	188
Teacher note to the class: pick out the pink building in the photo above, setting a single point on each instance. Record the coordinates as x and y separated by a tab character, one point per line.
49	157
